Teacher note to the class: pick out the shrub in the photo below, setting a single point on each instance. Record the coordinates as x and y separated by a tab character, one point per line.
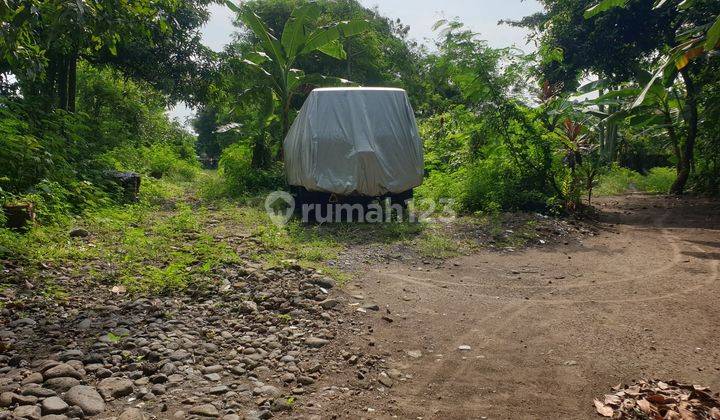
440	185
158	160
164	160
491	184
496	183
619	180
658	180
57	160
240	178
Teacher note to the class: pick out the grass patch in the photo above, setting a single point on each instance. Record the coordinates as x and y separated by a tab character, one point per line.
620	180
432	244
155	247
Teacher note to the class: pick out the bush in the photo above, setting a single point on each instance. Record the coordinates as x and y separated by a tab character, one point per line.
57	160
491	184
158	161
239	178
440	185
618	180
496	183
163	160
658	180
37	145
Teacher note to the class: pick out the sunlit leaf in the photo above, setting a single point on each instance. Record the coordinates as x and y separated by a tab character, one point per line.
713	35
603	6
294	35
684	59
269	43
325	36
658	74
334	49
594	85
439	24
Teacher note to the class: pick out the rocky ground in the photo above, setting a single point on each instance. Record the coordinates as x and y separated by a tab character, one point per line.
252	348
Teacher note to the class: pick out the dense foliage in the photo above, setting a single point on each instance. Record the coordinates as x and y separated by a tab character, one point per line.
84	87
657	64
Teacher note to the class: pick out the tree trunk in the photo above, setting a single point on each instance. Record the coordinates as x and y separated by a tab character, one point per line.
285	127
50	87
72	83
673	136
62	83
686	161
260	152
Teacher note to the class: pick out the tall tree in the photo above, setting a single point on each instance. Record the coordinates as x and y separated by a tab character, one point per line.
59	33
620	39
275	59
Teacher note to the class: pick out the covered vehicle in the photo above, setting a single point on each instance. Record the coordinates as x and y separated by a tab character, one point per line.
354	142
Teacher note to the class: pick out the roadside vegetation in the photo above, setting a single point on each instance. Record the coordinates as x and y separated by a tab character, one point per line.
83	95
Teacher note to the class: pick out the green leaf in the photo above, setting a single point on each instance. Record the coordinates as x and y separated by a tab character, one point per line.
257	67
713	35
269	43
658	75
594	85
319	38
334	50
618	116
439	24
603	6
353	27
233	7
324	36
685	4
295	78
620	93
596	113
325	81
294	36
644	120
257	57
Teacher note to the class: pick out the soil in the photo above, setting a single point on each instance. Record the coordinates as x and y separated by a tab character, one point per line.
547	329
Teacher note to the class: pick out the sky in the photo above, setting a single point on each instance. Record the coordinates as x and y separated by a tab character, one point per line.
481	16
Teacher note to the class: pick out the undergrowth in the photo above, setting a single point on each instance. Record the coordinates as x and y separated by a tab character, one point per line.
619	180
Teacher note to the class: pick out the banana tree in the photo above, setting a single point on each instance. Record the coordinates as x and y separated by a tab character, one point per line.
696	39
274	58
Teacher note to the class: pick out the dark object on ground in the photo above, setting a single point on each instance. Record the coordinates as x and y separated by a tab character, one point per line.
19	215
328	207
209	162
657	399
79	233
128	183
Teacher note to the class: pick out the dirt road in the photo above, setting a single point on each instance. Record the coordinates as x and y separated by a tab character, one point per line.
549	329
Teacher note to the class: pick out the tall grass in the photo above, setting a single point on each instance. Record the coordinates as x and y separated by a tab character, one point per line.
620	180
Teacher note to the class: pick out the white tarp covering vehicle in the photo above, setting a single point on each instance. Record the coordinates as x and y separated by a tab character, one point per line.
355	141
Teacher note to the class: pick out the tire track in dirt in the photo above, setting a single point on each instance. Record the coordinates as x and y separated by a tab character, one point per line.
522	338
449	370
677	258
